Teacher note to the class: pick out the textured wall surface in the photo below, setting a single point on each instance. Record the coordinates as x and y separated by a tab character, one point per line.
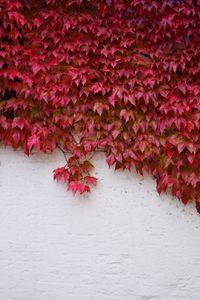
121	242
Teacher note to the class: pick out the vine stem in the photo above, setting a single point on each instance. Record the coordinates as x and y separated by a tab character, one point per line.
63	152
94	152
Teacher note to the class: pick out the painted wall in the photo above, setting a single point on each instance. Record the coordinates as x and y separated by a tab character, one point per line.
121	242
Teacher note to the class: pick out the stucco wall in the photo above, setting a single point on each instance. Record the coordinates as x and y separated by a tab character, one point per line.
121	242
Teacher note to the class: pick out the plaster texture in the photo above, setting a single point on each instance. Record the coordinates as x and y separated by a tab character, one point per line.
121	242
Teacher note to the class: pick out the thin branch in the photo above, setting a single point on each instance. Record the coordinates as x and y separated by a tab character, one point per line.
69	152
63	152
95	151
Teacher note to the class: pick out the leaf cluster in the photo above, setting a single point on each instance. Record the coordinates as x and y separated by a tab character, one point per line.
122	77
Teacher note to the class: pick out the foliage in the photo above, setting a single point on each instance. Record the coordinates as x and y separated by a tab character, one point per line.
117	76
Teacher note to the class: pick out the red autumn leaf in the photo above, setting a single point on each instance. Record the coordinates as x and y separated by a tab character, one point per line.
90	179
73	186
36	68
33	141
17	122
76	186
61	173
98	107
115	133
182	87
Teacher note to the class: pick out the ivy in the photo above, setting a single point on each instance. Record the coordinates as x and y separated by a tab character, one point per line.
117	76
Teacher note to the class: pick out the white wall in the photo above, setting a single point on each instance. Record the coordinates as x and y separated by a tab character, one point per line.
121	242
